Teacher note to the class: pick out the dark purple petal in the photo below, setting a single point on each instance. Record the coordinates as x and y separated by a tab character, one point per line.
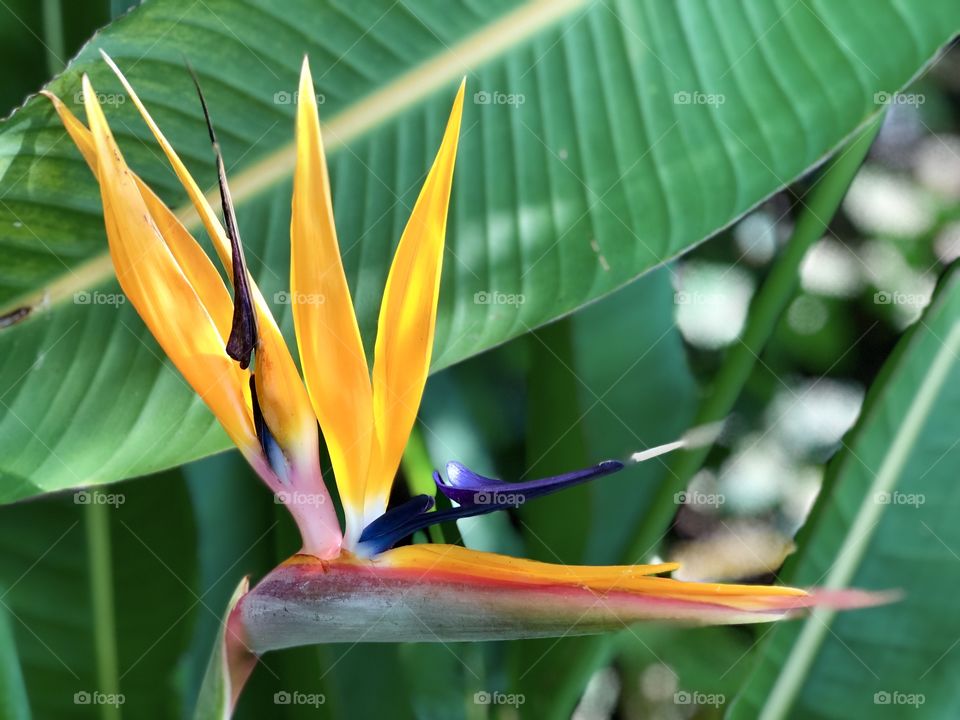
271	448
398	517
404	520
475	495
243	338
465	487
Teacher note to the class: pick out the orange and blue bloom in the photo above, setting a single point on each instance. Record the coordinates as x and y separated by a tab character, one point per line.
354	583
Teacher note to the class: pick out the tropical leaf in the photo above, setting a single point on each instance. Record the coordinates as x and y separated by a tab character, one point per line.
603	139
885	518
217	692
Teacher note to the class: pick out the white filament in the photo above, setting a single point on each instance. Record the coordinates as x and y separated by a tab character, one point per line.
695	437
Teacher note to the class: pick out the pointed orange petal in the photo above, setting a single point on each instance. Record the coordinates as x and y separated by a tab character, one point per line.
193	261
158	288
283	399
408	315
207	215
331	352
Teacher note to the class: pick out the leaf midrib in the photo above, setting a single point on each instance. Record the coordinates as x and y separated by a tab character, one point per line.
862	529
352	122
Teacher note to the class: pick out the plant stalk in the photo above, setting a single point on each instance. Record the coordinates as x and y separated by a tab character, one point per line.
99	557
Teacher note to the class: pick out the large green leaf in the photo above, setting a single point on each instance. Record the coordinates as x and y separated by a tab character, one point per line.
644	127
886	518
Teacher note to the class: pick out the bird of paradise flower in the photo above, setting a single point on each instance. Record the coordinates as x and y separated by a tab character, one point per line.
354	584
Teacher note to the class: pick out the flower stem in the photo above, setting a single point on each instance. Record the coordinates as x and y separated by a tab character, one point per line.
99	558
53	35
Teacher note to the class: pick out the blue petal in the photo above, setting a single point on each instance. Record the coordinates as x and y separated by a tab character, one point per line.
271	448
466	487
475	495
397	517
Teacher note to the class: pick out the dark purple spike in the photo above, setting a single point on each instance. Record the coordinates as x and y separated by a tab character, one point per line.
466	487
244	336
276	458
399	516
404	520
475	495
